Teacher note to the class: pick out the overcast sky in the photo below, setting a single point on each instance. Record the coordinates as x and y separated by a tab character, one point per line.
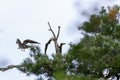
27	19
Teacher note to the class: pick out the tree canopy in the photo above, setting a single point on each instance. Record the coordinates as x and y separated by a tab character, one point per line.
100	47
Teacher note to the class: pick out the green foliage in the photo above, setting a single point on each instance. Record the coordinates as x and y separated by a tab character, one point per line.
37	63
98	50
101	50
105	23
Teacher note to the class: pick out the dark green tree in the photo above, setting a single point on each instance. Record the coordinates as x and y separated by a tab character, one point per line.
100	47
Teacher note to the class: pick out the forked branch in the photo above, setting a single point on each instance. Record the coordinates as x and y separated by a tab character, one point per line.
58	48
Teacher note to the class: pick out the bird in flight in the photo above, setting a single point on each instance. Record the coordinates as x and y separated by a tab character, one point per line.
24	45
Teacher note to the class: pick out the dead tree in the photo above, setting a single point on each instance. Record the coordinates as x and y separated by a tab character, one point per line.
58	47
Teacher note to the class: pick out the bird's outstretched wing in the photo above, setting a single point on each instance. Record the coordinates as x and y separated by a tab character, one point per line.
30	41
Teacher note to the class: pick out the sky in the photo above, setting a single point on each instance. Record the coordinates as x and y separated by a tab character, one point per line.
27	19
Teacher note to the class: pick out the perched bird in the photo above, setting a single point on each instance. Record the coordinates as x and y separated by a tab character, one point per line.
23	45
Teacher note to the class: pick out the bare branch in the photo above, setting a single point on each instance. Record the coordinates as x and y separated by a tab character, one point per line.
58	32
9	67
58	48
51	30
61	44
46	45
